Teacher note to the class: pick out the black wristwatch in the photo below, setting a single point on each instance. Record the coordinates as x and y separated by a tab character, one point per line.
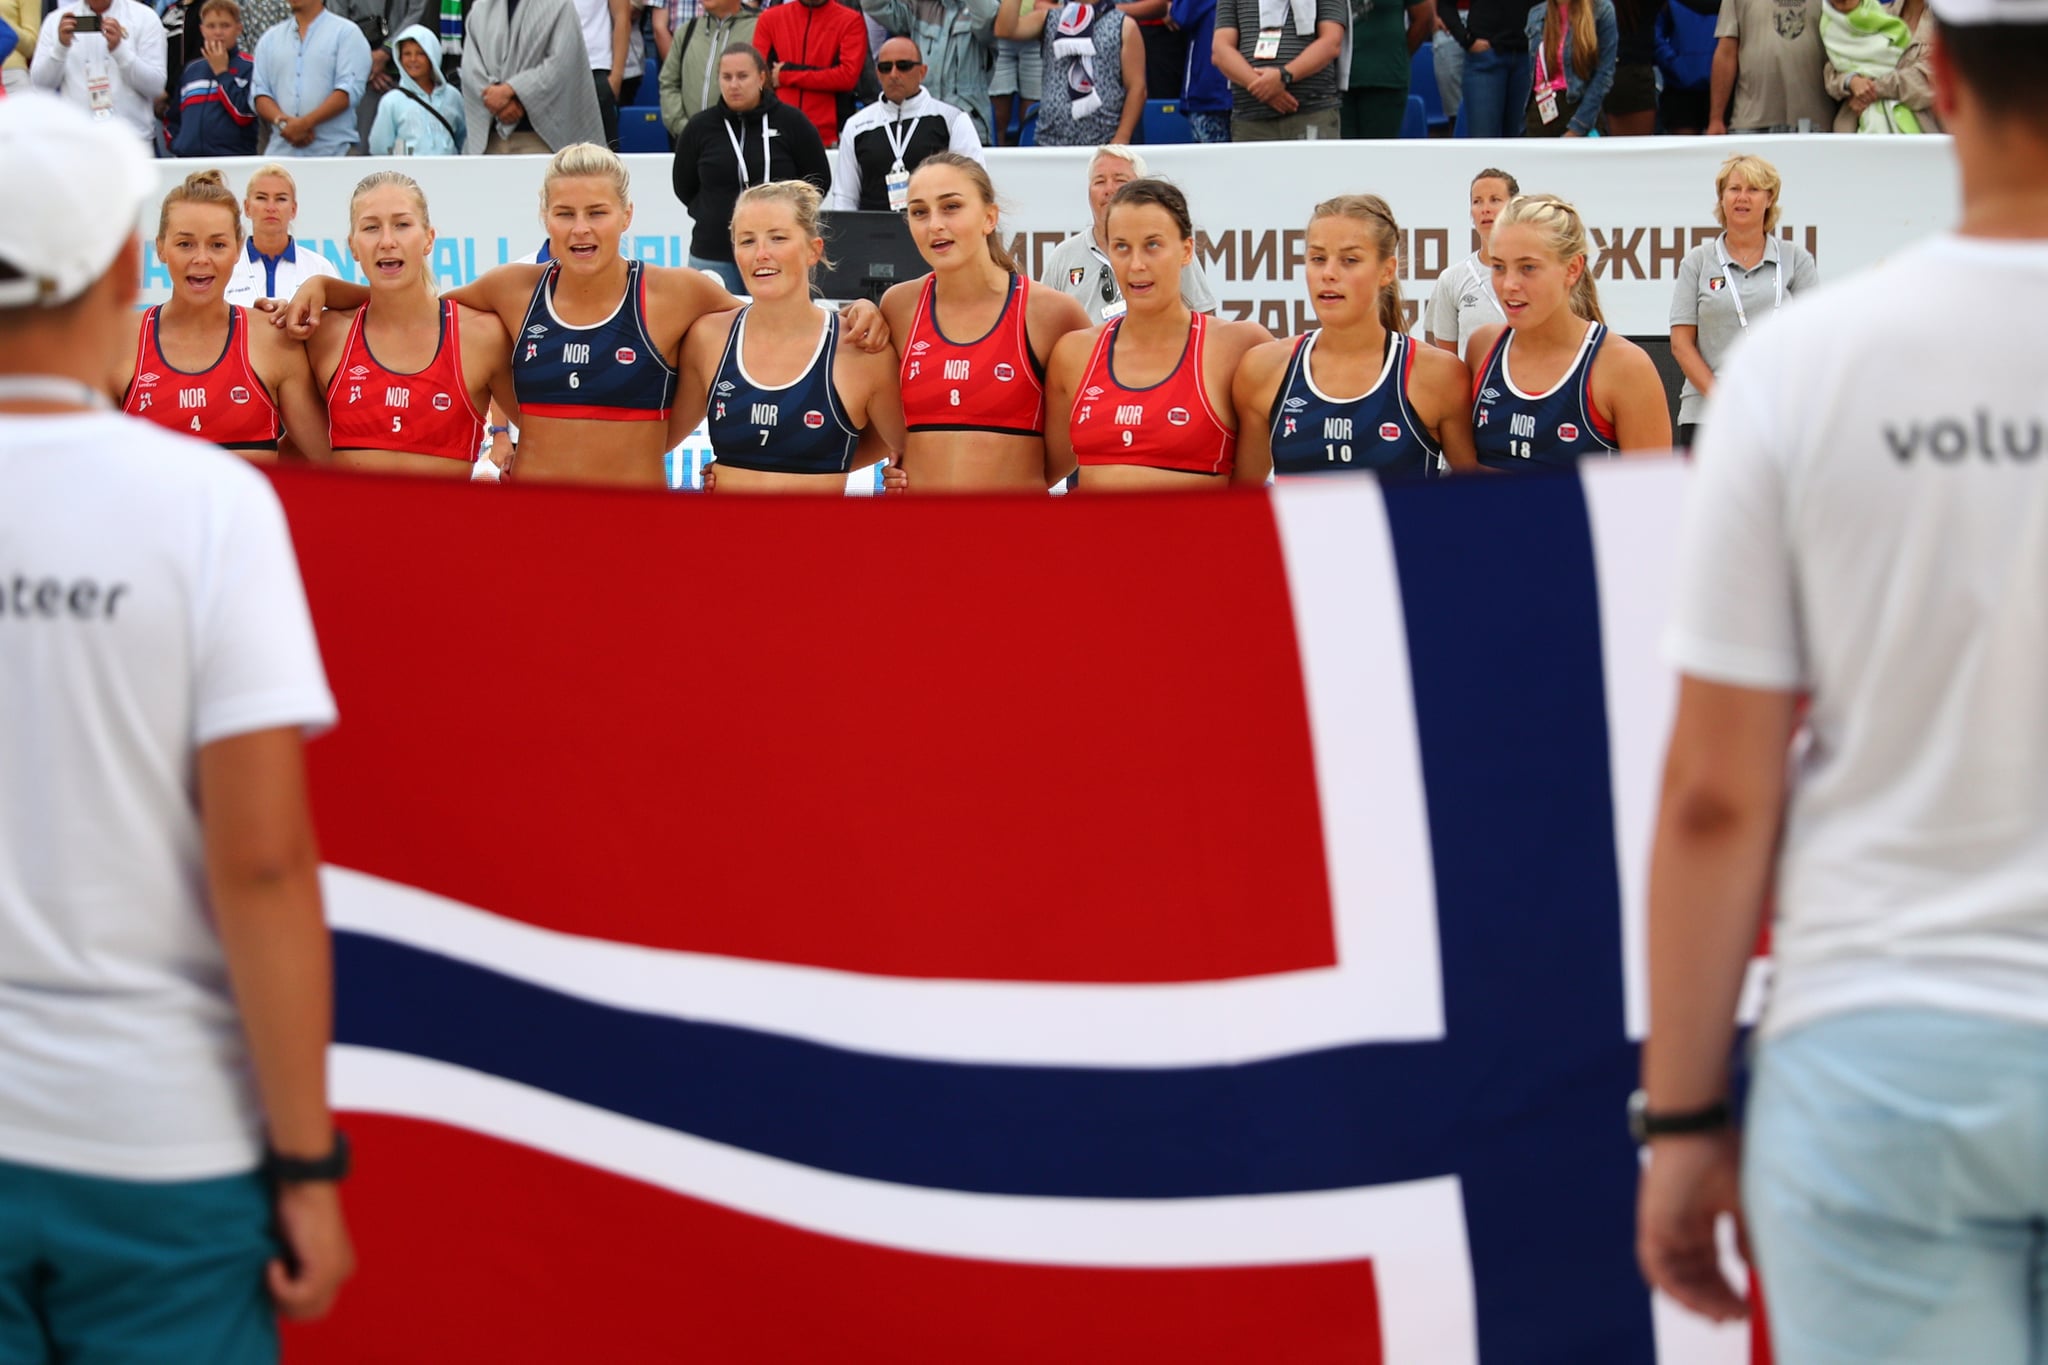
1644	1125
298	1170
1286	79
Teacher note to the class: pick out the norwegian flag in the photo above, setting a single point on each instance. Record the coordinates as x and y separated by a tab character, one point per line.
931	1032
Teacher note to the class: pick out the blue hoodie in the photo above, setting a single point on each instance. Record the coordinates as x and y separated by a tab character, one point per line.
402	119
1205	89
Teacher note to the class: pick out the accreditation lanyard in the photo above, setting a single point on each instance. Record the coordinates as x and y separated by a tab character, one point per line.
741	157
1735	290
1545	82
898	178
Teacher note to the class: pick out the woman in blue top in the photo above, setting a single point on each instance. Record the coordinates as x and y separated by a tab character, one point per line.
1553	384
1357	394
1574	46
791	410
423	116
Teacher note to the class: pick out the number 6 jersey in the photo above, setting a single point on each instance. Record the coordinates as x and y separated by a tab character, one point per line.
606	372
427	412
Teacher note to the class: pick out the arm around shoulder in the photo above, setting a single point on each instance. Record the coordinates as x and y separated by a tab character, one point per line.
1252	392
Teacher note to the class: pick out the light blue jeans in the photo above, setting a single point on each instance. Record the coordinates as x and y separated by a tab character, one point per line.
726	273
1895	1182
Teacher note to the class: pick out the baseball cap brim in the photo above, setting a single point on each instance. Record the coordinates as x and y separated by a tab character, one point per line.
78	184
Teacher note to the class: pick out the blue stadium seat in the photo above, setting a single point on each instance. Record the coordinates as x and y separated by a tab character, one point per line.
1422	81
1027	135
1164	123
641	130
648	96
1416	124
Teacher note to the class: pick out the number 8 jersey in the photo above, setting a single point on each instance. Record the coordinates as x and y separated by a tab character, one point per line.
992	383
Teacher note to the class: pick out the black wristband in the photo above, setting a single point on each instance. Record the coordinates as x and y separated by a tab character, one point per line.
294	1170
1644	1125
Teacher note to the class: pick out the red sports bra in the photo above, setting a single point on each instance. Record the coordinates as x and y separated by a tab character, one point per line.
225	403
424	413
1168	425
992	383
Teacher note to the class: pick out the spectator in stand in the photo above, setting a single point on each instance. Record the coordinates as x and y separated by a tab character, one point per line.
1280	57
1448	59
1384	39
424	117
526	79
748	138
1014	86
1768	61
882	144
1094	59
814	50
378	19
111	68
272	264
309	75
606	25
689	74
1079	267
1685	56
212	112
1205	94
24	18
1910	81
957	38
1631	105
1576	43
258	18
1495	97
1733	283
1166	47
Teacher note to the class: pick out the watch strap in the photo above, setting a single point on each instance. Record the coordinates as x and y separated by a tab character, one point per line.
1645	1123
296	1170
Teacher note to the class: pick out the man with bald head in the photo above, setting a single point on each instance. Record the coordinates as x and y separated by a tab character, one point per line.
882	144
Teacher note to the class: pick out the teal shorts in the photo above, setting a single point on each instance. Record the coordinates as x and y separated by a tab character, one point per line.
127	1272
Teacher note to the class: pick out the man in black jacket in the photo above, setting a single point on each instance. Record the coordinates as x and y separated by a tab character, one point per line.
881	144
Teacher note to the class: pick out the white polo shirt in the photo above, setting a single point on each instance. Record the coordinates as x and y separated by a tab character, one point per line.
1462	302
257	276
1869	524
149	605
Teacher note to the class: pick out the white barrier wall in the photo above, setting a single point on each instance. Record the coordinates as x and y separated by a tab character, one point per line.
1646	201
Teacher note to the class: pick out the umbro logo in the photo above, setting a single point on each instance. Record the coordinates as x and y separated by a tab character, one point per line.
537	330
1295	404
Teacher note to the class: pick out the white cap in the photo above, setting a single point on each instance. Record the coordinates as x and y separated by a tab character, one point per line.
77	186
1982	13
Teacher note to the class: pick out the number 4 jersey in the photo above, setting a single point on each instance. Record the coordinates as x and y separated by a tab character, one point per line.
225	403
427	412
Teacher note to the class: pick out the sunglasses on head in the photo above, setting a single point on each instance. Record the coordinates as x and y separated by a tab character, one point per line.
886	67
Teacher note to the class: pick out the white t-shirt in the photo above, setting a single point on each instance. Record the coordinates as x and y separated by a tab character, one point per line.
258	277
1462	303
149	605
1869	524
594	17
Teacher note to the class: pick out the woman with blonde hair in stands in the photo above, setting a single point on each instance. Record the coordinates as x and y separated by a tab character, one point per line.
793	412
1357	393
198	366
410	373
973	380
1552	385
1142	402
1574	45
274	264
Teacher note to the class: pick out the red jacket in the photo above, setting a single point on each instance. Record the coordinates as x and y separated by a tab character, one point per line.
821	48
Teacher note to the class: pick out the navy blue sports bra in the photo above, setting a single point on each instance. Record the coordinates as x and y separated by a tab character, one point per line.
1314	433
609	371
797	428
1516	430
